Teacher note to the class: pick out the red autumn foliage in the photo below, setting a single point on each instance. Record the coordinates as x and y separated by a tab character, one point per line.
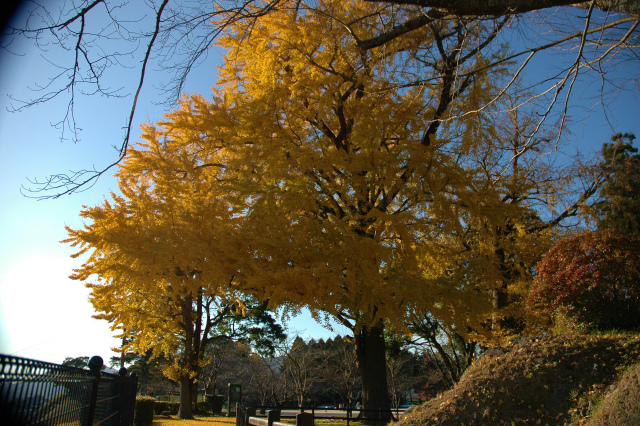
593	277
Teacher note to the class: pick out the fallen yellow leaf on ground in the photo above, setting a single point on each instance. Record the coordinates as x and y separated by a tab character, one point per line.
197	421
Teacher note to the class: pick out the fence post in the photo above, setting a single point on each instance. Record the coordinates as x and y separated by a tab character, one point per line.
95	365
304	419
273	416
240	415
129	396
249	412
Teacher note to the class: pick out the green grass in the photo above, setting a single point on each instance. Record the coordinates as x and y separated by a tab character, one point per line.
337	422
227	421
197	421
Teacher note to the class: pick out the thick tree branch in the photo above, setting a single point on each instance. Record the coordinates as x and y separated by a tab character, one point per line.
510	7
442	9
404	28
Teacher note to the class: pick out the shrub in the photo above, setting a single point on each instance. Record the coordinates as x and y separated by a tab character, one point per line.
166	406
143	413
215	403
203	407
593	278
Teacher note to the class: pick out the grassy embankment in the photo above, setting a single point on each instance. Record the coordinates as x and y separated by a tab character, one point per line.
557	380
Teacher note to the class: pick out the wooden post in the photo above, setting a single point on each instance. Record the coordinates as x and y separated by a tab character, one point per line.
273	416
249	412
240	416
304	419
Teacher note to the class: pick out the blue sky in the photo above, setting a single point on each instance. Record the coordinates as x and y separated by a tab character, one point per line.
43	314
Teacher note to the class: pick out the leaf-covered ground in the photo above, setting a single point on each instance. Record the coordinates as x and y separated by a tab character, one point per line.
226	421
558	380
197	421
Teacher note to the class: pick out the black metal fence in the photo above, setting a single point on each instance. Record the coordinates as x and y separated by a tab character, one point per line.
43	394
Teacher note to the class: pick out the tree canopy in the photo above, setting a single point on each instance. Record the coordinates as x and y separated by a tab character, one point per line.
164	273
364	185
591	279
77	362
176	36
618	206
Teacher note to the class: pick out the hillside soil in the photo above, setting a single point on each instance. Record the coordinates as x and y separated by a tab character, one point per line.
556	380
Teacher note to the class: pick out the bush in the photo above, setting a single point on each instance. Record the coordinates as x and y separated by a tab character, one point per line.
165	406
143	413
593	279
215	403
203	407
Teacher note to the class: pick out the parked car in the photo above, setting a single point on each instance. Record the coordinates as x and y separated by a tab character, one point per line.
327	407
407	405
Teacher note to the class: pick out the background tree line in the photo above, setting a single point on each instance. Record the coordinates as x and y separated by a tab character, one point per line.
298	372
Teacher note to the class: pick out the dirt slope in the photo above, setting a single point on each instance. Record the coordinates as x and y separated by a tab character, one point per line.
558	380
621	406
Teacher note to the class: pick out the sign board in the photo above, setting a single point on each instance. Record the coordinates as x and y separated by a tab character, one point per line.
234	396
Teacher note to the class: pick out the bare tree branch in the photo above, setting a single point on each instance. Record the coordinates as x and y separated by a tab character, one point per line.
183	34
65	184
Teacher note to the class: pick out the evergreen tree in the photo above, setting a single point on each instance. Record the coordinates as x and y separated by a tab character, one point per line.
619	204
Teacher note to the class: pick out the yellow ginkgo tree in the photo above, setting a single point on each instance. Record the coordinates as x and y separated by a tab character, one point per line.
346	165
159	266
375	184
364	185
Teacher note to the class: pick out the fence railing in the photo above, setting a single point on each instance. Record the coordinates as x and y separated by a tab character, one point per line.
44	394
247	416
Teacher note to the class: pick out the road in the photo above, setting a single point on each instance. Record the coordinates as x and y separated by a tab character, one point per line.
322	413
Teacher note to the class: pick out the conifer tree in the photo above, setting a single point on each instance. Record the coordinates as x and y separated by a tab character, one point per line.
619	204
